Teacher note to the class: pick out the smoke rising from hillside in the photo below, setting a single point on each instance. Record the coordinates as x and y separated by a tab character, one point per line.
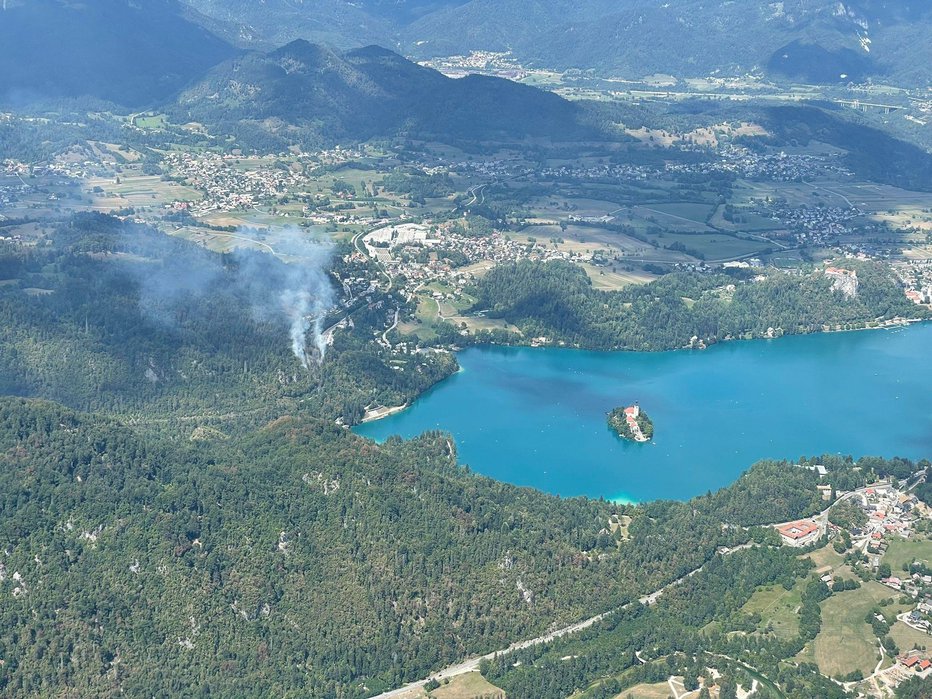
290	286
306	294
299	289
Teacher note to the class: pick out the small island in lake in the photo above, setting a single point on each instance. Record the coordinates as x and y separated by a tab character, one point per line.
631	423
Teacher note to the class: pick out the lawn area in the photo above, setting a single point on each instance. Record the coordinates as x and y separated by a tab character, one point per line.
472	685
906	551
778	608
846	642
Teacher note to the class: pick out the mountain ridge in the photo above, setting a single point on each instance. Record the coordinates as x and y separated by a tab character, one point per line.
319	94
131	54
687	38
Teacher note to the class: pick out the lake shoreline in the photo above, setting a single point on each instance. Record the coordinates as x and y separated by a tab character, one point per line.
536	416
376	415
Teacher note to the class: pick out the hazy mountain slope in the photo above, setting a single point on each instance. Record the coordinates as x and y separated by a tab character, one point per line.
307	92
687	37
133	54
276	22
338	22
812	40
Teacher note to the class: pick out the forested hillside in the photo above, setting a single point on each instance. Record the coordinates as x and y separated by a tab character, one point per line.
310	94
556	300
118	317
301	557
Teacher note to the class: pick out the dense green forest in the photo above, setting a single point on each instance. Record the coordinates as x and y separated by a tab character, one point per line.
557	300
299	556
327	97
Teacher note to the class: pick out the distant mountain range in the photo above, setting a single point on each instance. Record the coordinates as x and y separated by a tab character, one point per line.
141	54
819	41
341	23
131	53
159	54
812	40
304	91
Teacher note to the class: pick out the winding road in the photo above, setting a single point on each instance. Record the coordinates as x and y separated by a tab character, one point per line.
472	664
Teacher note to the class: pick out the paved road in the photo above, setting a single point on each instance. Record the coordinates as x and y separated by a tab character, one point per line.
472	664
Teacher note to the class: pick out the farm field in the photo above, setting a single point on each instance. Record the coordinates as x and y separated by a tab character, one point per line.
692	211
715	246
669	221
867	196
135	191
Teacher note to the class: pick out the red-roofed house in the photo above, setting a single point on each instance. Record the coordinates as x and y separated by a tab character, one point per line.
799	533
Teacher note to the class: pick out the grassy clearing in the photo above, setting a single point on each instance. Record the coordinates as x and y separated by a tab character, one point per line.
846	642
778	608
906	551
825	558
472	685
150	121
607	280
427	309
908	638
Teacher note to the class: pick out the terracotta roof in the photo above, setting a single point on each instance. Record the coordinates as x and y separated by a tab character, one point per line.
798	530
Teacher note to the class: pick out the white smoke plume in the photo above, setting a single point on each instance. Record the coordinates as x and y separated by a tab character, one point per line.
300	287
286	282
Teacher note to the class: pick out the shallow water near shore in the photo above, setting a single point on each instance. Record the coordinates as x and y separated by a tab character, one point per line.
537	416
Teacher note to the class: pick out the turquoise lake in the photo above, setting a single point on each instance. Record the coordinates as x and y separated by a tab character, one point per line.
537	417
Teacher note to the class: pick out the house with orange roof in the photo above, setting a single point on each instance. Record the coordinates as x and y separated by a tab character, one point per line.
800	533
